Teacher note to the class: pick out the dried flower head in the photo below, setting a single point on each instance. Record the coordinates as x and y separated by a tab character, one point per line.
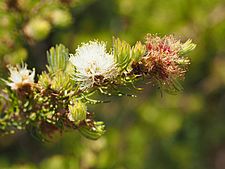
20	76
94	66
163	60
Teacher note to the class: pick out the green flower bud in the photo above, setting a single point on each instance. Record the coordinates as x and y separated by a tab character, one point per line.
138	51
77	112
187	47
122	53
94	132
44	80
125	54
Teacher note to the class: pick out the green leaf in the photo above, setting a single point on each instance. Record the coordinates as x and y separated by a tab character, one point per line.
187	47
122	53
57	58
94	132
125	54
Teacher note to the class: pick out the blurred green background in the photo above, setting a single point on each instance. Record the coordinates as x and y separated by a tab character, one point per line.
184	131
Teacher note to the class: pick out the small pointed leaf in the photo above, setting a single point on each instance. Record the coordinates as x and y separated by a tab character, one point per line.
57	58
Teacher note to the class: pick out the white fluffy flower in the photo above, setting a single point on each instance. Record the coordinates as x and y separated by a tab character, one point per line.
20	76
93	64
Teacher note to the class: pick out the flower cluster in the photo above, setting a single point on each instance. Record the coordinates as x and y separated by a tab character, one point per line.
58	99
20	76
93	65
164	60
163	57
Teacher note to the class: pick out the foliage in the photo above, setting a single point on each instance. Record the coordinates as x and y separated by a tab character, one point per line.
58	100
151	131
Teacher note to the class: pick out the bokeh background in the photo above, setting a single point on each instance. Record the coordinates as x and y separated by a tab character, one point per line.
184	131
